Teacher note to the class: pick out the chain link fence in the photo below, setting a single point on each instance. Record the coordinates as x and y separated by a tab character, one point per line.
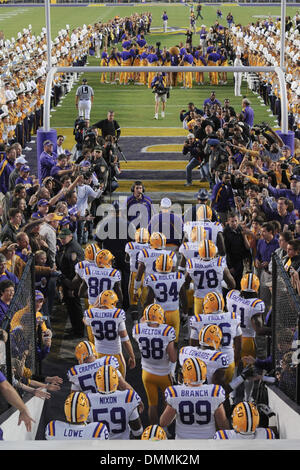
285	325
18	356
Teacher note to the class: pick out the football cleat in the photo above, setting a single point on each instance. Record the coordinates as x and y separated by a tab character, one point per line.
207	249
193	371
154	433
107	298
210	335
164	263
106	379
249	283
157	240
154	313
245	417
83	350
198	233
213	302
142	235
90	251
77	407
204	212
104	259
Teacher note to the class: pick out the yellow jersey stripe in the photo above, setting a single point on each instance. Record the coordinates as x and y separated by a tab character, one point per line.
215	356
223	435
129	396
167	330
51	428
216	391
72	371
89	312
130	245
255	302
113	272
98	430
145	253
230	293
190	263
172	391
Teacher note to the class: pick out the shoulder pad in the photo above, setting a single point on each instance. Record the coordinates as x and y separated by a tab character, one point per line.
221	435
117	313
216	356
171	392
100	428
51	428
89	313
71	372
216	391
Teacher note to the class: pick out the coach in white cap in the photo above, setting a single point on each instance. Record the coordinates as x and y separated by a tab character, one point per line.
168	223
84	100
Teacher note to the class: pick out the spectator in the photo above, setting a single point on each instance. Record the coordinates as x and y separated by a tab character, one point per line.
139	206
7	291
20	161
11	229
281	213
47	159
6	168
222	197
61	168
59	142
48	231
247	112
292	258
84	194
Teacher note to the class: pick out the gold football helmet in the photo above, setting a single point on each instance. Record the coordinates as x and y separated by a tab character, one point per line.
210	335
154	433
154	313
245	417
194	371
90	251
164	263
213	302
107	379
77	407
250	283
83	350
107	298
142	235
157	240
204	212
104	259
207	249
197	233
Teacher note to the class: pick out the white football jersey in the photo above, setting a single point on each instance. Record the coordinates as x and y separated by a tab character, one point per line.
246	309
98	280
133	249
153	343
189	250
195	407
60	430
166	288
106	324
213	359
260	433
82	376
80	267
207	276
148	257
115	410
211	229
229	323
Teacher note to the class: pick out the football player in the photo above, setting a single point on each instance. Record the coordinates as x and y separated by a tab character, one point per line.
118	409
213	230
198	407
132	250
82	376
109	330
158	354
147	259
100	277
167	289
245	421
216	362
207	273
250	309
229	322
154	433
77	408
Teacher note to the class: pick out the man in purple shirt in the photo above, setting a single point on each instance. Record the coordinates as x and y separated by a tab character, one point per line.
265	246
293	194
247	112
47	160
7	291
281	213
6	168
211	100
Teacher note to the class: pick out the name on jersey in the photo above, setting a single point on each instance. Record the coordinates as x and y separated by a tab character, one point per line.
237	298
101	314
73	433
194	393
166	277
91	366
201	354
151	331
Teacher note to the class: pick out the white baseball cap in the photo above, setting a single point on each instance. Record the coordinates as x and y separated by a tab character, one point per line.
21	160
165	203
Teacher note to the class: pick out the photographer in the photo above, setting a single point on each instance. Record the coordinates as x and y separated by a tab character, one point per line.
158	86
194	148
84	193
108	126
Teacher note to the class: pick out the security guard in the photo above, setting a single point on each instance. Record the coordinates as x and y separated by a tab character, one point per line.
69	255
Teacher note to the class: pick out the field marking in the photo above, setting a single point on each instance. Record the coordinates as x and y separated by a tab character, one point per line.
162	148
